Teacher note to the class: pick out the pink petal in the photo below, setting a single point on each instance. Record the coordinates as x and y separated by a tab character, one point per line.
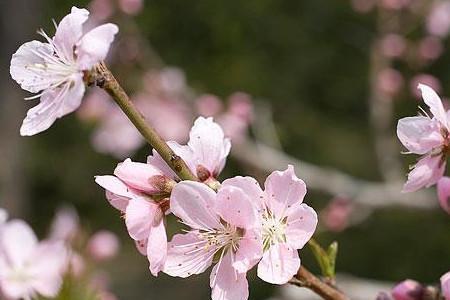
157	247
31	79
69	32
54	104
301	224
236	208
250	186
139	217
117	192
142	246
279	264
103	245
17	242
419	134
408	290
94	46
188	254
226	283
209	145
443	190
194	203
445	285
283	189
138	175
435	103
427	172
249	252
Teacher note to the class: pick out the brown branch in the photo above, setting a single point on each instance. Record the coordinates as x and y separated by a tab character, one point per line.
305	278
103	78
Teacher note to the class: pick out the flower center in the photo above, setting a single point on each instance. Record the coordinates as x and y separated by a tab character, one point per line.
273	230
224	239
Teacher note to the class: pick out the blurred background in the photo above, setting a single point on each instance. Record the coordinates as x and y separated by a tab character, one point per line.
319	84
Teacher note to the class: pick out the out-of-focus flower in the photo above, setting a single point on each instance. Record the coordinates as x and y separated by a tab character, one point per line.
3	216
96	105
222	229
426	136
426	79
443	190
65	224
438	21
103	245
336	214
77	266
209	105
363	6
445	285
393	45
27	267
54	69
287	223
394	4
383	296
101	10
131	7
430	48
390	81
408	290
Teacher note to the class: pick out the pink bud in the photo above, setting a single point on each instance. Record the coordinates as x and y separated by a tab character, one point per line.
445	285
438	21
131	7
430	48
390	81
337	213
408	290
209	105
427	79
103	245
393	45
443	190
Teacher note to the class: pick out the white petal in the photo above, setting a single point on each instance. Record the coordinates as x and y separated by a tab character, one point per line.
419	134
94	46
435	103
279	264
301	224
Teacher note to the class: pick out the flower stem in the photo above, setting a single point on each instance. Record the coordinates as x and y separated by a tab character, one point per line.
305	278
102	77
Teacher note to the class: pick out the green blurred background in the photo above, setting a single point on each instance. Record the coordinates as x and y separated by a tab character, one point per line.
310	58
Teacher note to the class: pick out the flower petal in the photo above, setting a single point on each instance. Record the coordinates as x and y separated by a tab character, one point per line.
157	247
69	32
443	190
427	172
187	254
17	242
209	145
283	189
249	252
94	46
226	283
435	103
250	187
194	203
279	264
28	66
445	285
139	217
138	175
236	208
419	134
301	224
117	192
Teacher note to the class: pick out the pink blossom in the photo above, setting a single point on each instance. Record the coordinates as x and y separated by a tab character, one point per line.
27	267
65	224
430	48
438	21
336	214
129	192
287	223
426	79
390	81
394	4
393	45
103	245
96	105
443	190
131	7
426	136
209	105
224	228
408	290
445	285
54	69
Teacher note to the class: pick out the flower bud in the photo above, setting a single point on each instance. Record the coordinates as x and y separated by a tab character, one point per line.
103	245
408	290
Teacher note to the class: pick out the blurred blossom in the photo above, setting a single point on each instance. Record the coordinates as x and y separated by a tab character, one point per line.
96	105
103	245
445	285
3	216
77	264
383	296
241	105
394	4
131	7
426	79
209	105
363	6
393	45
65	224
430	48
336	214
408	290
129	50
167	82
390	81
101	9
438	21
443	190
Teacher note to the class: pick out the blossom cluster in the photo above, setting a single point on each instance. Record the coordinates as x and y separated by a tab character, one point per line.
234	225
